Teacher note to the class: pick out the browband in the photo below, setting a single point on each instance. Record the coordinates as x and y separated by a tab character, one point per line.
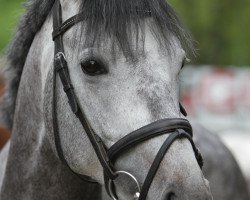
67	25
81	17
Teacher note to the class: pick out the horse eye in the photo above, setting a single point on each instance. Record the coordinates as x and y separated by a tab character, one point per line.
93	67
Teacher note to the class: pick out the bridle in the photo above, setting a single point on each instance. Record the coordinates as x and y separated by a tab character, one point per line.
177	128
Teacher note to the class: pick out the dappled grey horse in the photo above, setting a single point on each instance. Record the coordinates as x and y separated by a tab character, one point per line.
123	60
221	169
116	67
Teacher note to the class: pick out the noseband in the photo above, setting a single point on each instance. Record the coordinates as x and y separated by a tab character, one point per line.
176	128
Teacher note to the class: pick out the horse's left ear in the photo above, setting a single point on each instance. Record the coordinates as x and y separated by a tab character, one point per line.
182	109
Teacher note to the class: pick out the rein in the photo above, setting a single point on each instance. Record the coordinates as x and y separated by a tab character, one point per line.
177	128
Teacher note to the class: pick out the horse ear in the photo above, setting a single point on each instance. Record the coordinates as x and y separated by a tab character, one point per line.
182	109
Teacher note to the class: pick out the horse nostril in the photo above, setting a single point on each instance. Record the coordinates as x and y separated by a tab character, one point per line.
170	196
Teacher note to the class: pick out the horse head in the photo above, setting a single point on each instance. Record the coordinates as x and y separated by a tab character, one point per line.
119	64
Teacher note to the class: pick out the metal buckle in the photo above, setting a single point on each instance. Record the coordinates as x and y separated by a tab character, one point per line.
111	182
59	54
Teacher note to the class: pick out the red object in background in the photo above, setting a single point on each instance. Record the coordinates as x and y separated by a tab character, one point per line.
186	101
4	136
244	98
216	91
4	133
2	86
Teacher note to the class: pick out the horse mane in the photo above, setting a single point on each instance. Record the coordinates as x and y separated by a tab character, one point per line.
121	20
29	25
117	18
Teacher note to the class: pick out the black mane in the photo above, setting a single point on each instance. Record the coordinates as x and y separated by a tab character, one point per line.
32	21
122	20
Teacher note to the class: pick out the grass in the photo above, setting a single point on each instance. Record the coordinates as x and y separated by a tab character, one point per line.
10	12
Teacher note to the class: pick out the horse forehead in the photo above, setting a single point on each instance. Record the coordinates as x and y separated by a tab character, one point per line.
153	46
157	54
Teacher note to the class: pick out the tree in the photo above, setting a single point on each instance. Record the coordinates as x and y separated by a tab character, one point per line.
220	27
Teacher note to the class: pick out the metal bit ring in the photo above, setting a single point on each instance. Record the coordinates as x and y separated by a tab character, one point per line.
111	182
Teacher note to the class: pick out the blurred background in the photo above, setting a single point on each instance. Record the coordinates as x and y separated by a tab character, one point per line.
215	86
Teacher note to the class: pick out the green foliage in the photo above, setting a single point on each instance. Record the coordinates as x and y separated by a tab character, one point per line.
10	11
221	28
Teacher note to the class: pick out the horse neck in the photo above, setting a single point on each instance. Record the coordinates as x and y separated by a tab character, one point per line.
33	171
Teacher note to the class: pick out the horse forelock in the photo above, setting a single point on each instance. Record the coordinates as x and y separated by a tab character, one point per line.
122	20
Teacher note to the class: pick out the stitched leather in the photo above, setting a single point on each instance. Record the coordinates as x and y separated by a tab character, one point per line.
67	25
157	128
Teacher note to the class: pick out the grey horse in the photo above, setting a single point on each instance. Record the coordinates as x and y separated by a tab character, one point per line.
143	58
220	168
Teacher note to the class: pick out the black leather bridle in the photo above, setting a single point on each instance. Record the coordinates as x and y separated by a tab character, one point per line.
176	128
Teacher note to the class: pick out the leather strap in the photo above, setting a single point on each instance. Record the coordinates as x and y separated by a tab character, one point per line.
60	30
155	129
57	20
61	67
178	128
182	109
178	134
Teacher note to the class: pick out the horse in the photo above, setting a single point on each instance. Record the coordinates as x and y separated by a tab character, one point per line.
221	169
92	100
